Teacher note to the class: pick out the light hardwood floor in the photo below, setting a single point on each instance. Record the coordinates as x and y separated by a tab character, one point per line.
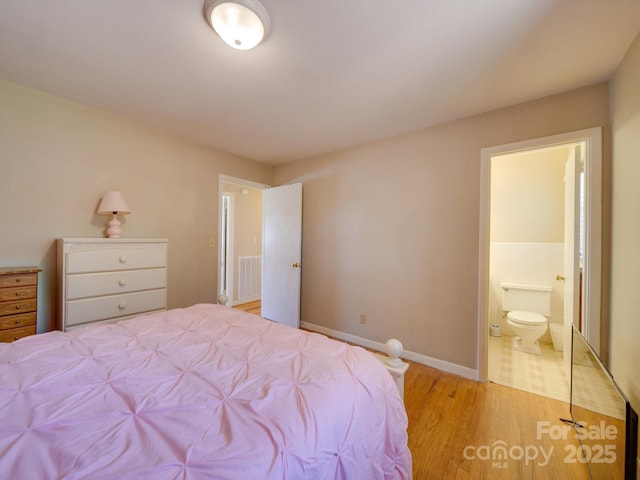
454	423
251	307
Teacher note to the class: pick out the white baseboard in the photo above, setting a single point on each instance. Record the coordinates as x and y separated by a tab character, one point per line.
443	365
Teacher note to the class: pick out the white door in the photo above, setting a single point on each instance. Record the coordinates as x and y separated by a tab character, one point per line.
281	254
572	171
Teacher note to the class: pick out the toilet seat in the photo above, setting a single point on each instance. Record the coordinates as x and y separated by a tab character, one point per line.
526	318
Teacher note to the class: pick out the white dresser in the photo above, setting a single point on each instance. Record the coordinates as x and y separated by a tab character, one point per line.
106	279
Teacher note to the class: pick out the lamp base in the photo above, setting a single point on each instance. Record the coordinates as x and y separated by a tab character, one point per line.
114	230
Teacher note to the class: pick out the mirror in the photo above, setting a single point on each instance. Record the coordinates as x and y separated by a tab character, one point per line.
605	424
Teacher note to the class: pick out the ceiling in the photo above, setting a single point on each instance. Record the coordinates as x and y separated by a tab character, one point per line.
331	74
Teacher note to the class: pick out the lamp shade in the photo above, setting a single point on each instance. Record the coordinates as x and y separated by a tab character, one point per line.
113	203
242	24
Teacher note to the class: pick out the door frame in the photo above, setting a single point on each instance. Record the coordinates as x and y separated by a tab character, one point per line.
226	238
222	179
592	275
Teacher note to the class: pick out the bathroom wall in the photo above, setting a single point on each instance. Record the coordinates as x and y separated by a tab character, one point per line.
527	226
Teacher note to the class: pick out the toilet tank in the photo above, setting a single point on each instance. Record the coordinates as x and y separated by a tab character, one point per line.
530	298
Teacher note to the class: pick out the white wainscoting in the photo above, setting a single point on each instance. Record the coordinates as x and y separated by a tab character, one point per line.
530	263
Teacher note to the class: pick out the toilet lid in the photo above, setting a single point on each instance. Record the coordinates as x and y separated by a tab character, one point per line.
527	318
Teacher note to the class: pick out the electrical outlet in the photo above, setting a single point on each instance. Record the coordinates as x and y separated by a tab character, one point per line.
363	318
212	243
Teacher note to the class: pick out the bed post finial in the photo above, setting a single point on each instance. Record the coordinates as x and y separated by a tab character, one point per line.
394	349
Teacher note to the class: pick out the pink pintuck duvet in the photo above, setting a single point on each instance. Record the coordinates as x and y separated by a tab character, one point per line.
201	392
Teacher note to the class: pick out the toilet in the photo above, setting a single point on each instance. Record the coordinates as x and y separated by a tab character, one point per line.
527	307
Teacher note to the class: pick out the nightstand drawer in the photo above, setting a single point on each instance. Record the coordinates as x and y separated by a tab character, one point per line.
18	293
16	333
96	284
16	321
113	306
117	257
20	306
18	280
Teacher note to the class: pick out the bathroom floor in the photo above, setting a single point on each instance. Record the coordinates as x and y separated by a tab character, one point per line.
540	374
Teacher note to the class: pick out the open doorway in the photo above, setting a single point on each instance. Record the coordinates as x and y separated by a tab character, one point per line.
531	213
260	247
240	241
588	143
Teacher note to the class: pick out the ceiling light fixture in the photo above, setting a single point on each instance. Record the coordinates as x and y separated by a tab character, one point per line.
242	24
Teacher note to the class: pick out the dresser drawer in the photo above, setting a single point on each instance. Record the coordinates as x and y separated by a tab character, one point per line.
18	280
108	283
19	306
116	257
112	306
18	293
16	333
15	321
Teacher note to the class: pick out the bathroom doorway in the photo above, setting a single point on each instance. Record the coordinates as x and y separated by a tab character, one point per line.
529	229
527	248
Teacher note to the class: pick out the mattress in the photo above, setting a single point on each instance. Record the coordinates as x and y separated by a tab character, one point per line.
201	392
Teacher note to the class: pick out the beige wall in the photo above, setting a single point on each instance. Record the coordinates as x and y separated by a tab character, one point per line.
527	196
391	228
247	226
58	157
625	225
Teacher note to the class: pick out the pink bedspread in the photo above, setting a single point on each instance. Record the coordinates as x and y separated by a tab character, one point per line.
202	392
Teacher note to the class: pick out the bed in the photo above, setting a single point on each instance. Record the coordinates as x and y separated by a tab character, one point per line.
201	392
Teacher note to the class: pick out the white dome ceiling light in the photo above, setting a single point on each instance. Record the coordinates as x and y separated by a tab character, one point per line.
242	24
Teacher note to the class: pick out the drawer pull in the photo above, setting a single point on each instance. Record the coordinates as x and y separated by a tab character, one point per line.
18	280
122	306
123	259
122	282
18	307
17	322
20	293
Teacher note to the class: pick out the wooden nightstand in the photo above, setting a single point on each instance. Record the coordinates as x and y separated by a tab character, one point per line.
18	302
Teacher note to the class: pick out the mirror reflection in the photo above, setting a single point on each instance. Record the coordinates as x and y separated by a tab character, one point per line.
604	421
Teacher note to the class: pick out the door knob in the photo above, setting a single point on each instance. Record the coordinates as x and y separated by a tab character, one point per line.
560	278
296	265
